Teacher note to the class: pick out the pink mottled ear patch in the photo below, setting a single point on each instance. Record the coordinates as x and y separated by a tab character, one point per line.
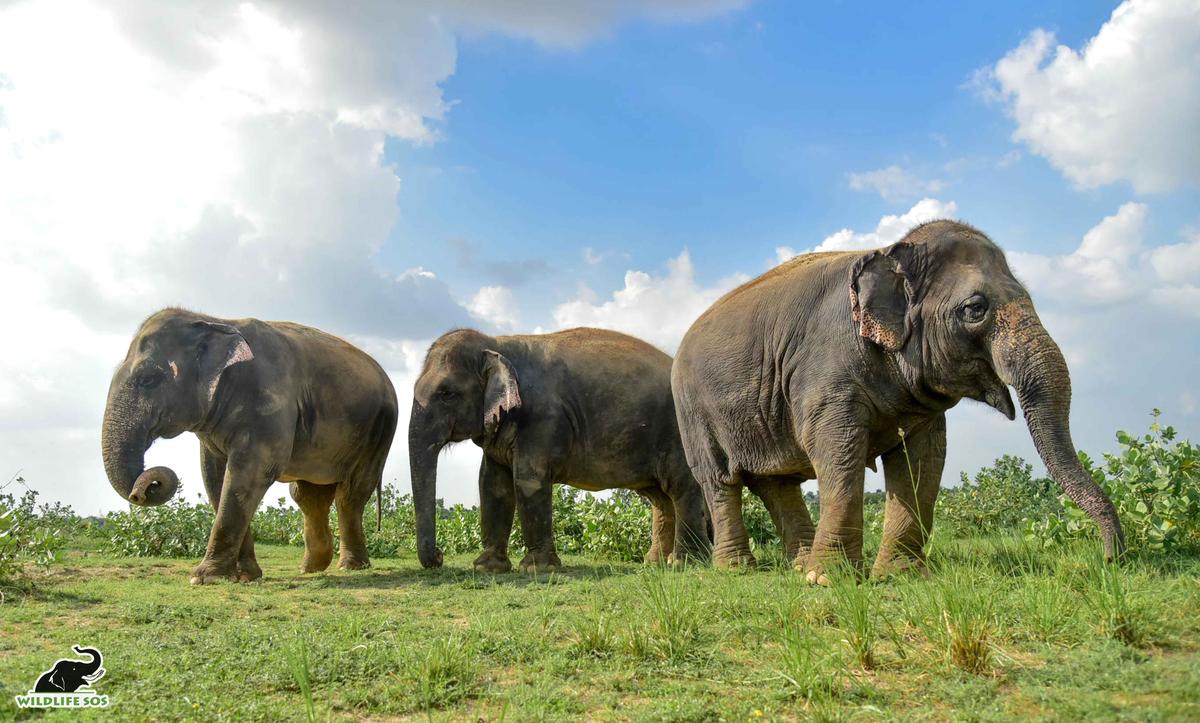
174	369
240	353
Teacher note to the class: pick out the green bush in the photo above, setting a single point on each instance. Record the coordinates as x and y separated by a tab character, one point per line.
1001	499
176	529
29	533
1154	483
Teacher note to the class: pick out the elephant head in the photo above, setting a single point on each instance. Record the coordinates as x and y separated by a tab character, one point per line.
67	676
166	385
465	390
945	302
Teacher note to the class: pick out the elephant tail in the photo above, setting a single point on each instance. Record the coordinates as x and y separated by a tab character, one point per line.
379	505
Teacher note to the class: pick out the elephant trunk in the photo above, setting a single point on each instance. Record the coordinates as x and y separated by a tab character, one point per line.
123	445
423	451
1028	359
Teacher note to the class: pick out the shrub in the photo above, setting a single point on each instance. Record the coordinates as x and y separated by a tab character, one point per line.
1154	483
1001	498
29	533
176	529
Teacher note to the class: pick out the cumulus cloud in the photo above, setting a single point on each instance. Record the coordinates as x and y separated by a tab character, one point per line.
497	306
222	155
1113	265
894	182
891	228
1124	107
658	309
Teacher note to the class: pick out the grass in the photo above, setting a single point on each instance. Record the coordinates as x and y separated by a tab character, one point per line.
1000	631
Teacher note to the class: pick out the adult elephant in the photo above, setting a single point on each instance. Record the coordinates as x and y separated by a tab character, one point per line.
830	360
68	676
269	400
586	407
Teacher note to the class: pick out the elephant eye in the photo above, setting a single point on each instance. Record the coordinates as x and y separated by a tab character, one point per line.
446	395
973	309
148	379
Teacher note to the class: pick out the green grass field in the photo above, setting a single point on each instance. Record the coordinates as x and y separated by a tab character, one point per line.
999	632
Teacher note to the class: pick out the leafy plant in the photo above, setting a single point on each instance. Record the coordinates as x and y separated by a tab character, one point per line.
29	533
1154	483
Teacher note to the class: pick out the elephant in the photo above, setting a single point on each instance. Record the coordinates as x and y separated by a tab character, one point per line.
68	676
831	360
269	401
586	407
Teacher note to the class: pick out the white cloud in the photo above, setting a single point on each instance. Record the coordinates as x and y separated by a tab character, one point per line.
893	183
223	155
497	306
658	309
891	228
591	257
1101	269
1112	265
1126	106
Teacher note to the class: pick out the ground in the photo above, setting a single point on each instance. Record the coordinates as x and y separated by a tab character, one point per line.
999	631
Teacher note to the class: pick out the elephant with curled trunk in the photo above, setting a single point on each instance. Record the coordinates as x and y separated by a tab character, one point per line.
68	676
586	407
823	364
270	401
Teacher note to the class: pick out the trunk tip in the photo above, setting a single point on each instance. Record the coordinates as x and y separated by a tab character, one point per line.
154	487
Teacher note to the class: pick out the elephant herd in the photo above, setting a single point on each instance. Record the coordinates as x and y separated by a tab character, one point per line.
813	370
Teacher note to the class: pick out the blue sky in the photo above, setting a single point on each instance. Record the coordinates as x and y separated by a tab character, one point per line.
390	174
731	137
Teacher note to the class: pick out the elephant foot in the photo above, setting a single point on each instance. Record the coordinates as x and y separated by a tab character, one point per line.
493	562
354	563
315	564
541	562
898	565
737	560
248	571
208	572
655	556
814	577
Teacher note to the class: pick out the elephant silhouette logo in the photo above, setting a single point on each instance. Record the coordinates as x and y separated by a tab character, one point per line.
68	683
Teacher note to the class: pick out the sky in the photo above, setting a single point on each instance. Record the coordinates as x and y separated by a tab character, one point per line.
389	171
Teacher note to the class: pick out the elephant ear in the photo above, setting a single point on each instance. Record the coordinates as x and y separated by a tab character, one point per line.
221	347
881	296
501	394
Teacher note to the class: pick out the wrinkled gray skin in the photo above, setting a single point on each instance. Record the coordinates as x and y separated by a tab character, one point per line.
269	400
585	407
812	369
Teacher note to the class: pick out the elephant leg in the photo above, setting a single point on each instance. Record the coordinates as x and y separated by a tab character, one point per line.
912	476
784	499
212	469
731	546
497	505
314	501
839	451
248	474
662	525
351	498
535	505
693	539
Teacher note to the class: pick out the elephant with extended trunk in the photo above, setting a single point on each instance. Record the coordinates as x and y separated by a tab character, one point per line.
825	363
585	407
270	401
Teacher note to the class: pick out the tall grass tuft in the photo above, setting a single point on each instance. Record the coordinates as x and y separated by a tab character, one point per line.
445	674
297	661
594	636
676	616
1108	597
806	664
854	608
969	619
